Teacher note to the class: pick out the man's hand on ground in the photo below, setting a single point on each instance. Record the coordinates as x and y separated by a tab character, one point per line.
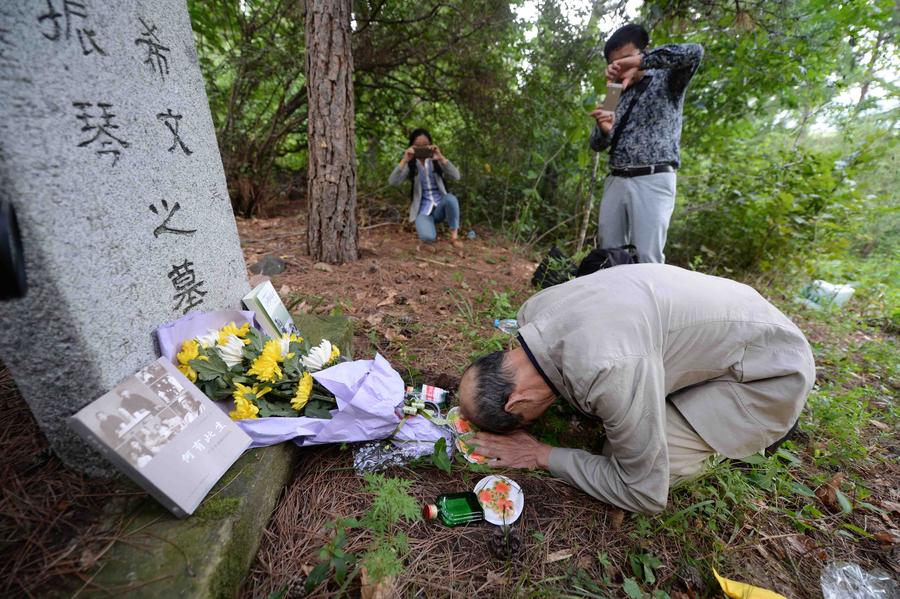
515	450
605	119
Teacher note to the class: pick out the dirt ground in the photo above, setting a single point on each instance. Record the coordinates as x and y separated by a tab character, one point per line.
428	310
428	313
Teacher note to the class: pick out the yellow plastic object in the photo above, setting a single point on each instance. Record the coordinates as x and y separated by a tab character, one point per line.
742	590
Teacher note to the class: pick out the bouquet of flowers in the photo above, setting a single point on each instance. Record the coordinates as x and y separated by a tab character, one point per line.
284	389
264	377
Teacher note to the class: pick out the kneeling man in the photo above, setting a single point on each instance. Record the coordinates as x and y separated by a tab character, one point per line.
678	365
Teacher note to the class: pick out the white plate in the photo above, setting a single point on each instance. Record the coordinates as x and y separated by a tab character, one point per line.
515	495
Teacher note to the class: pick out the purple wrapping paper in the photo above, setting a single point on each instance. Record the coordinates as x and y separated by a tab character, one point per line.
173	334
420	435
368	393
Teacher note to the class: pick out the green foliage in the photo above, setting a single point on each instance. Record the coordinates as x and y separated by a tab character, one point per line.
392	503
391	507
439	456
644	565
333	556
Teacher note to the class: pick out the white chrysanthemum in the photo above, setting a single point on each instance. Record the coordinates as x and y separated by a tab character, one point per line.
232	352
318	356
286	339
209	339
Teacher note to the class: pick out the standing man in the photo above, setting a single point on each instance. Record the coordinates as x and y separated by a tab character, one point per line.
643	138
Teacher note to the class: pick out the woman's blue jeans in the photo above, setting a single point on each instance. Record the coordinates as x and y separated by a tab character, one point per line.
446	210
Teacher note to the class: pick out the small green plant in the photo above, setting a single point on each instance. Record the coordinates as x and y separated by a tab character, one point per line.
333	557
439	457
644	565
392	504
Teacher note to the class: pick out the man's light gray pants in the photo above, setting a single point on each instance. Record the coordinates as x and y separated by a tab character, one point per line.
637	210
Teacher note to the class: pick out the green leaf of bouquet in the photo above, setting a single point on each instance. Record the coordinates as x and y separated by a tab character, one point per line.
317	408
210	369
439	456
272	408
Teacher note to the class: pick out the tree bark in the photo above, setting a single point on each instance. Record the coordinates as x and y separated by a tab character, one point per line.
331	226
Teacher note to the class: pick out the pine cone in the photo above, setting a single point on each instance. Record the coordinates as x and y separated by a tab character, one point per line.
505	542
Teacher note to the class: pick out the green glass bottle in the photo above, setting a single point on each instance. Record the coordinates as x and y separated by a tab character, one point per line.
454	509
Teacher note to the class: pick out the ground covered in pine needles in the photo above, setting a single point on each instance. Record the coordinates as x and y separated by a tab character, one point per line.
832	494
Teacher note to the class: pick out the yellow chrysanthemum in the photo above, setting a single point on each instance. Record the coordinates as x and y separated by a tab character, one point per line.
335	353
266	366
232	329
190	350
244	398
304	390
243	410
245	393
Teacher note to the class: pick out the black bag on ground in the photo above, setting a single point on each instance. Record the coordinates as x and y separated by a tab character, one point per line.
554	269
606	257
558	268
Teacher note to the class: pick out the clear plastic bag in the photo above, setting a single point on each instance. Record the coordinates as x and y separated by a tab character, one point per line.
845	580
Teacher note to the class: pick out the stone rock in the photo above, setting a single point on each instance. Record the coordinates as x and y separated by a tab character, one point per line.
110	158
209	553
268	265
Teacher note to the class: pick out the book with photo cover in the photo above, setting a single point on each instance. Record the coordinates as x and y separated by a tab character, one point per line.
159	429
271	314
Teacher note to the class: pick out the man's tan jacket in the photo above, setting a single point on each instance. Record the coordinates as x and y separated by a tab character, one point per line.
619	343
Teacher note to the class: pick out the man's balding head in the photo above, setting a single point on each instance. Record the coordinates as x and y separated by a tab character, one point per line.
484	391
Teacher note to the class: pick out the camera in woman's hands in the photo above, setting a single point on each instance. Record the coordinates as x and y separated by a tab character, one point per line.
423	152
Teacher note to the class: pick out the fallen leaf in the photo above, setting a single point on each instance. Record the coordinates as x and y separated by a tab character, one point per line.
382	589
375	319
616	517
879	425
284	291
323	267
390	335
888	537
827	493
800	543
388	299
558	556
494	579
891	506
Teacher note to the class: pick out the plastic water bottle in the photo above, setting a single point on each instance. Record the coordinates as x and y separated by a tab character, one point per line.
819	294
471	234
508	325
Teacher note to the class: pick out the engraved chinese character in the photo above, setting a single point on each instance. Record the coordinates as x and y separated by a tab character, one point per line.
219	426
101	128
198	446
71	9
187	457
208	435
164	227
156	57
171	122
187	289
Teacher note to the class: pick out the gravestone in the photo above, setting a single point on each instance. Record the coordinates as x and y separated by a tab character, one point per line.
108	152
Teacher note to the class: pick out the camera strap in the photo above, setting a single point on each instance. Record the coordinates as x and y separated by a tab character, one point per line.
643	84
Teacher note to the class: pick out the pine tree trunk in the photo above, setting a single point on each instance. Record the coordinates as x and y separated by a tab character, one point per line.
331	226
